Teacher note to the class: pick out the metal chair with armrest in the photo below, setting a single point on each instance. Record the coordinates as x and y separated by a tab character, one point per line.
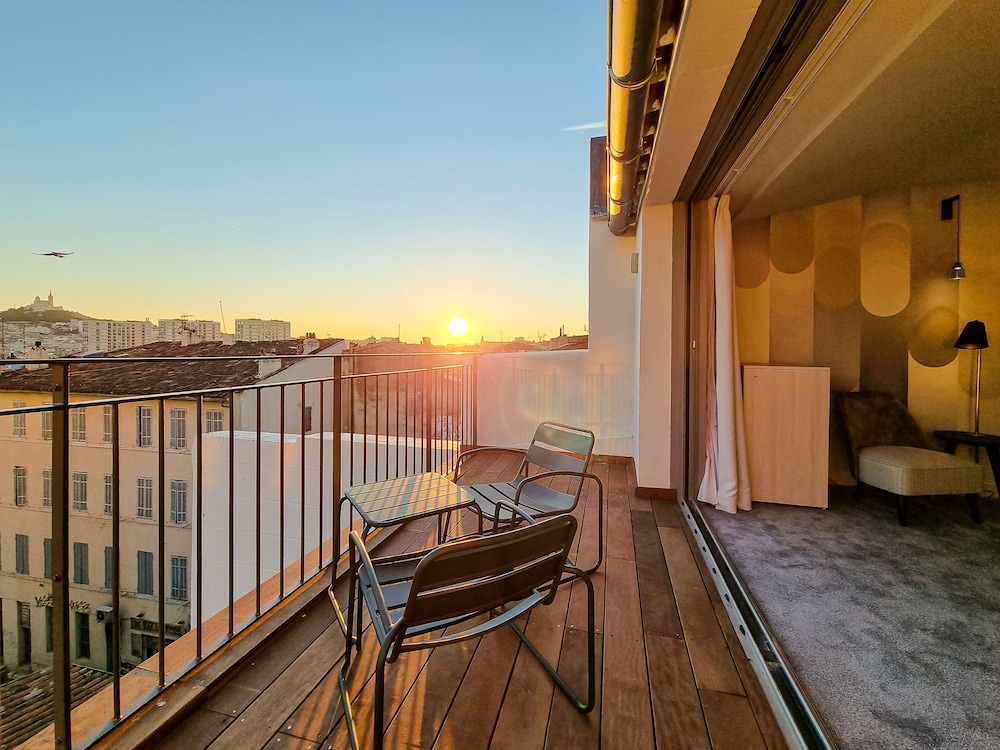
555	450
414	598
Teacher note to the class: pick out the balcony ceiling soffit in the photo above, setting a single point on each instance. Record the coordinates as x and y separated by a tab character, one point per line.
877	116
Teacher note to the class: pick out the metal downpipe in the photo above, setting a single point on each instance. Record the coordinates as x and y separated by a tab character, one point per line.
633	34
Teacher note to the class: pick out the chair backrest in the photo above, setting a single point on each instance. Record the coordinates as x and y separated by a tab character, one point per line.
559	447
474	576
876	418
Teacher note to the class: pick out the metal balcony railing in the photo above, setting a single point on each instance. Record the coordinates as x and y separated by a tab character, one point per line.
257	505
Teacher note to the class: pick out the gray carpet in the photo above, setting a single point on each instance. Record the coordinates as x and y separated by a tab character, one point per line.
893	631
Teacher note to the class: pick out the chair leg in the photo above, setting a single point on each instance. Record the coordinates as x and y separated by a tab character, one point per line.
580	705
972	499
352	730
379	719
600	528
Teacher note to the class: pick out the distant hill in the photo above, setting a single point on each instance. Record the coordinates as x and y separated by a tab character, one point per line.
48	316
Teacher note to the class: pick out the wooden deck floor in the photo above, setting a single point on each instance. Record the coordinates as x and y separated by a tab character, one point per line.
670	671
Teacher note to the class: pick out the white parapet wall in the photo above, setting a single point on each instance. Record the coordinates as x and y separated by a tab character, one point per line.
517	391
363	460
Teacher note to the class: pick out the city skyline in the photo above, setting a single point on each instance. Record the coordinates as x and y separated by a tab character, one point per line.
307	163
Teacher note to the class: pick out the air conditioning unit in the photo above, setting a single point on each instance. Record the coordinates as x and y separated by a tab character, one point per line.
104	612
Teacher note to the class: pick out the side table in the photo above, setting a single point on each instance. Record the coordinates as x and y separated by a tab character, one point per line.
953	438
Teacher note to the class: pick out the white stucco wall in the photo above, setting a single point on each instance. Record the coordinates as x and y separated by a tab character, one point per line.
659	385
373	458
594	388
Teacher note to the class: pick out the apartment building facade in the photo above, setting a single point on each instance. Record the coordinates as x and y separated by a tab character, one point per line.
26	494
109	335
255	329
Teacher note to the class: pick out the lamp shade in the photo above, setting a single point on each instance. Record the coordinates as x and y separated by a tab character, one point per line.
973	336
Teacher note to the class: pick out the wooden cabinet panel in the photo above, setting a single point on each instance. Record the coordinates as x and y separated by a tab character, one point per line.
787	416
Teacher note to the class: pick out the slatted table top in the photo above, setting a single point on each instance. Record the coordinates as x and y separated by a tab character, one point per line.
393	501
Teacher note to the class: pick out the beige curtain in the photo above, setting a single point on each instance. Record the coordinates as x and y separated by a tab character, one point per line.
726	483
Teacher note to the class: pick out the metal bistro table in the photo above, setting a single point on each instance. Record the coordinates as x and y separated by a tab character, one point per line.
390	502
393	501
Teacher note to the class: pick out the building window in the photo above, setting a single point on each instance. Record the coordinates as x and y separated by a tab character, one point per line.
20	485
108	425
307	419
20	420
21	554
144	581
47	488
144	498
109	494
82	635
78	425
178	578
178	428
80	490
178	500
109	567
47	422
47	551
214	420
81	564
144	426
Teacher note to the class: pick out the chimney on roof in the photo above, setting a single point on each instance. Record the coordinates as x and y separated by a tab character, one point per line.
36	352
426	341
310	345
189	336
267	367
228	339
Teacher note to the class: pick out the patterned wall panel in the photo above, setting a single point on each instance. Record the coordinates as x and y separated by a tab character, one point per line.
792	241
934	309
752	263
885	253
838	344
791	322
862	286
838	240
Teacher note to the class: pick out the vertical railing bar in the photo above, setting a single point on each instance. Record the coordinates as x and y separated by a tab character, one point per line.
351	425
116	546
338	408
319	480
364	430
231	509
281	496
302	484
161	542
199	518
62	701
380	428
257	534
396	427
377	412
474	406
406	426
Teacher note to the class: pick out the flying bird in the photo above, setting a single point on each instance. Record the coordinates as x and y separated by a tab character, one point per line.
54	254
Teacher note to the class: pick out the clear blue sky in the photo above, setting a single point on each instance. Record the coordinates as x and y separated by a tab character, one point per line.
351	167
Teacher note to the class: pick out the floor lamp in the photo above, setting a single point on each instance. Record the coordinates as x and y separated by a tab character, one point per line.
973	336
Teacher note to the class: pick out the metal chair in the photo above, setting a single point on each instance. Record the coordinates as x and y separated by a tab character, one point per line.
556	450
421	600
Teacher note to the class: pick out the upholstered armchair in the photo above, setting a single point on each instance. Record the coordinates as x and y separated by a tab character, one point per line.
888	450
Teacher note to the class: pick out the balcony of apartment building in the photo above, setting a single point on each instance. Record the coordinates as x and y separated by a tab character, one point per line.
251	657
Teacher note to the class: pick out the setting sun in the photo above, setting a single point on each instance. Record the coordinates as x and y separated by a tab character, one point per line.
458	327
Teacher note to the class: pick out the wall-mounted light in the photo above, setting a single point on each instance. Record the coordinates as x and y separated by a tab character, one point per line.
949	208
973	337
